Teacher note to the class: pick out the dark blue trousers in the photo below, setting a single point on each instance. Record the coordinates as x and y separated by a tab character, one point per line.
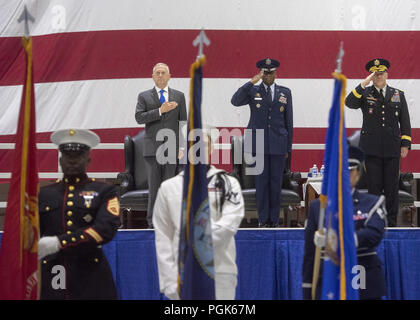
268	188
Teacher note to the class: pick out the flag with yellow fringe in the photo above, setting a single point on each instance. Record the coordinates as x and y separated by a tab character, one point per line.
19	269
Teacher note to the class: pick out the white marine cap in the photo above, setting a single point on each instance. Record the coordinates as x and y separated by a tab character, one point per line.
75	139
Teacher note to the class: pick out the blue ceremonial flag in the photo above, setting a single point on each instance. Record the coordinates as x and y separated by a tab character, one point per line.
340	243
195	263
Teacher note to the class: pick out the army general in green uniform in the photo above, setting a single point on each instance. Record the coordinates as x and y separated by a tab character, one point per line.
386	132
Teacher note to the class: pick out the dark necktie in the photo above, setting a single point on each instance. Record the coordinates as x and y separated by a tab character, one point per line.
269	93
381	91
162	97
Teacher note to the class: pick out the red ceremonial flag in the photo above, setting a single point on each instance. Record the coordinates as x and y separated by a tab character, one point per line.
19	270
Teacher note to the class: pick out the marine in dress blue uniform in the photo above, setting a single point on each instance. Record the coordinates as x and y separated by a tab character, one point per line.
77	216
272	111
369	217
386	132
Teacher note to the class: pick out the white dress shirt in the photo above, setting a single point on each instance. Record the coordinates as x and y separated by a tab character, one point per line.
272	87
384	90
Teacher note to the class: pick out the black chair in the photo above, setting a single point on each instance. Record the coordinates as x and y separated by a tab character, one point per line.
405	197
134	191
290	195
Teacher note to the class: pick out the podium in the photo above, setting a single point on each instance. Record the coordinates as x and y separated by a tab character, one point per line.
311	190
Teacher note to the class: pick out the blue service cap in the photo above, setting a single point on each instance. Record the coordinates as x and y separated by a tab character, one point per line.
356	157
268	64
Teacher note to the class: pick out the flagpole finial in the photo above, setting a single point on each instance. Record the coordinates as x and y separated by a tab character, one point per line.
200	40
339	60
26	16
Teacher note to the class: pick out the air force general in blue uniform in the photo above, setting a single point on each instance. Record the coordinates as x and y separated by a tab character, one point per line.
271	110
369	215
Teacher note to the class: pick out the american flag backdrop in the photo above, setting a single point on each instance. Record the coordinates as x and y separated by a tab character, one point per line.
92	58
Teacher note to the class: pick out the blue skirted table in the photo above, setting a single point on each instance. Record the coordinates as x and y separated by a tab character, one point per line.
269	262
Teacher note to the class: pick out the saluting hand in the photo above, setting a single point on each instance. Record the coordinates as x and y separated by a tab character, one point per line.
368	79
168	106
257	77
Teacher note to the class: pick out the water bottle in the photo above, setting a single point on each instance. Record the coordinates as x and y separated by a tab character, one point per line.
322	170
314	171
310	173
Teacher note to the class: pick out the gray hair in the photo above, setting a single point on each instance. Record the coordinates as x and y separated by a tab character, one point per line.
161	64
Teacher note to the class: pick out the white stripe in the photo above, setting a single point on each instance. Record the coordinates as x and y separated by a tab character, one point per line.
119	146
217	146
59	175
98	104
55	16
49	146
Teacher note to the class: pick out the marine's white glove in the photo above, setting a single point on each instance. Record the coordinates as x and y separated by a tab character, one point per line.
47	246
171	292
319	239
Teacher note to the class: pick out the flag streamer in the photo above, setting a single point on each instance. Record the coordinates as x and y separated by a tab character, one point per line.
340	244
195	263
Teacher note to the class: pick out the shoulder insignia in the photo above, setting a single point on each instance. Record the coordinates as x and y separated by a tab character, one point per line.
113	206
381	213
377	208
95	235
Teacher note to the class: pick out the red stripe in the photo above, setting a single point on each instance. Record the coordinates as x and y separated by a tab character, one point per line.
232	54
107	135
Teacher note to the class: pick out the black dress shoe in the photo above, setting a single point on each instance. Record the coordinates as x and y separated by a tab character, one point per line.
263	225
275	225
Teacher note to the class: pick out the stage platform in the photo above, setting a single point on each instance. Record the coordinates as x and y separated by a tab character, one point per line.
269	263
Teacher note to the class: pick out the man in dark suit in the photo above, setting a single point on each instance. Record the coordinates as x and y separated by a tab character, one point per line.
272	111
160	108
386	132
77	216
369	215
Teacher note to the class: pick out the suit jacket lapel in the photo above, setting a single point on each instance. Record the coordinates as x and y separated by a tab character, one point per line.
155	95
276	93
375	93
170	93
389	93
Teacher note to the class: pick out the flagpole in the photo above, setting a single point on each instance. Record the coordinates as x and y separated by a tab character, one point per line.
323	204
195	262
